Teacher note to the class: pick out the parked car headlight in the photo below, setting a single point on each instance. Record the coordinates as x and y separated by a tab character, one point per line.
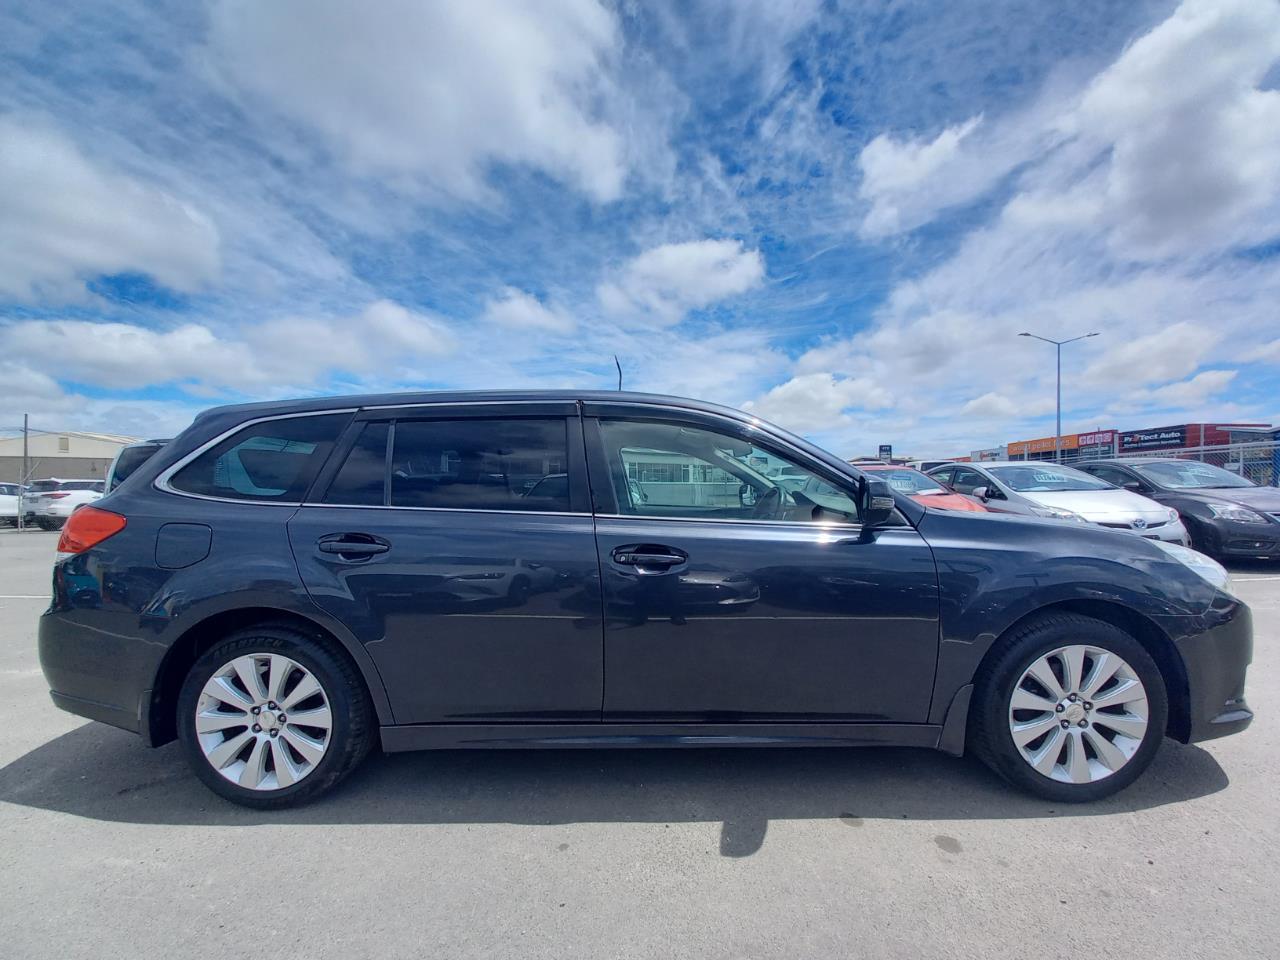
1206	567
1057	513
1233	511
1173	514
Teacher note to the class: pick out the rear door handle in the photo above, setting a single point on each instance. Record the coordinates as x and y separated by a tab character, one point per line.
644	555
353	546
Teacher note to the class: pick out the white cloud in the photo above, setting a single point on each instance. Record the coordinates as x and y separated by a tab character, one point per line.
1193	392
384	338
523	311
665	282
1194	144
1171	352
64	219
894	170
818	401
1126	199
437	90
990	405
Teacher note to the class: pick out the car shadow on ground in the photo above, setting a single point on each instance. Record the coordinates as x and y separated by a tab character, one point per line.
104	774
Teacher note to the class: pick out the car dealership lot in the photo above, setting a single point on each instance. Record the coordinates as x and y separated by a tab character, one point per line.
112	849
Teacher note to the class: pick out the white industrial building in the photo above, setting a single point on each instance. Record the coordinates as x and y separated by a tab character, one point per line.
70	454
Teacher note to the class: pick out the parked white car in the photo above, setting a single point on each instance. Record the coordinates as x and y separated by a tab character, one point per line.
1042	489
51	501
9	503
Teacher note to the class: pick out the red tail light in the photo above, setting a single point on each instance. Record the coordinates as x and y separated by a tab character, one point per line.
88	527
55	496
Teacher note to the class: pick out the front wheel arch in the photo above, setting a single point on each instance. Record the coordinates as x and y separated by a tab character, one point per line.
1156	642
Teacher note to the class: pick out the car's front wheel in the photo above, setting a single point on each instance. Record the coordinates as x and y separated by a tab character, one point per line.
1072	709
270	718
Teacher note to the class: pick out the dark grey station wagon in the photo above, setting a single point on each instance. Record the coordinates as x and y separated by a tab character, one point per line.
286	585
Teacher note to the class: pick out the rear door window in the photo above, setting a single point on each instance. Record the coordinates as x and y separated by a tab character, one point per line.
272	461
362	478
479	464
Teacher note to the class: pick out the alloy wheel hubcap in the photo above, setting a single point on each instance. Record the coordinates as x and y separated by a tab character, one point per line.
263	721
1078	714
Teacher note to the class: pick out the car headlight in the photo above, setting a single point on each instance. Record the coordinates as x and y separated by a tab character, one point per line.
1173	514
1206	567
1233	511
1057	513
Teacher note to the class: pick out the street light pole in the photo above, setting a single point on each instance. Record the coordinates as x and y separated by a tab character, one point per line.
1058	345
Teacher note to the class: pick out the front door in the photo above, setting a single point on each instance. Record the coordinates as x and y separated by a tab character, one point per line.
458	547
731	595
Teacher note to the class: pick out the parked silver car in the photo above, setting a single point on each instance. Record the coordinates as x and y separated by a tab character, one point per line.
1050	490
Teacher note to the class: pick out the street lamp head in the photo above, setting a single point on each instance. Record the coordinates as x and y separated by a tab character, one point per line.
1024	334
1090	335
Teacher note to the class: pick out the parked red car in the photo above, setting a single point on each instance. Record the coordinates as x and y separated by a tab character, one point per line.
921	488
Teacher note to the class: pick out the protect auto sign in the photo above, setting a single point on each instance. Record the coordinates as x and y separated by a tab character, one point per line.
1159	438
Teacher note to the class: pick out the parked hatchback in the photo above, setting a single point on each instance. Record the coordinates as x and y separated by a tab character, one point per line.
1226	515
1061	493
286	585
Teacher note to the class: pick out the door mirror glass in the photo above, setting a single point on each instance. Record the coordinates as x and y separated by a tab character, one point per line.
877	502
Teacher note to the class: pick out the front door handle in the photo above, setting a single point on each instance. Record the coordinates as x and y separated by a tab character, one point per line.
353	546
646	555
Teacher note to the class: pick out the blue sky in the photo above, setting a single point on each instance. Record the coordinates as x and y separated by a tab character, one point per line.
838	215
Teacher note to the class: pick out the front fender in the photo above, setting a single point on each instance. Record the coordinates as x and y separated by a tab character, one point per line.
995	570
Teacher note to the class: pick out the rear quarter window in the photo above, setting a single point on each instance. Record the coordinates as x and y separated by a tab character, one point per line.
272	461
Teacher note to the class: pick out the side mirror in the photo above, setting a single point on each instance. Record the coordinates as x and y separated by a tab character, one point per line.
747	495
875	505
1132	485
982	493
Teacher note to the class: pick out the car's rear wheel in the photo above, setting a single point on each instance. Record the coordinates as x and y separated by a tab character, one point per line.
46	523
1072	709
270	718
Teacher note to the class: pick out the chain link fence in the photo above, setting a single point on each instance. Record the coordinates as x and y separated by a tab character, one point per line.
1258	462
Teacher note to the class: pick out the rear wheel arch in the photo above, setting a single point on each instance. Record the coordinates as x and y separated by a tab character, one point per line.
161	724
1153	639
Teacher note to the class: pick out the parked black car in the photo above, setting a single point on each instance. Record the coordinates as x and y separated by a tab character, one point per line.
1226	515
286	585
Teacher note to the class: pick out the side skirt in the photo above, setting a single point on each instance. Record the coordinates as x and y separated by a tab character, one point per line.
448	736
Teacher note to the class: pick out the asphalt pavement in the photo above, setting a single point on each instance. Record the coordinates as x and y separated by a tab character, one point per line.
109	849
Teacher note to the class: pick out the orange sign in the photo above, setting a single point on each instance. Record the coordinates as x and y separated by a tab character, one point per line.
1070	441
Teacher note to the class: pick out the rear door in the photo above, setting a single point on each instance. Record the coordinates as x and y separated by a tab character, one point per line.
436	536
728	598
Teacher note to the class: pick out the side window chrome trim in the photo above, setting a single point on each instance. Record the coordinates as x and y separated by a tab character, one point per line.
375	506
163	482
798	524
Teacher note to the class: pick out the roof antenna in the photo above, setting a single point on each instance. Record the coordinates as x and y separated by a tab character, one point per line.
619	366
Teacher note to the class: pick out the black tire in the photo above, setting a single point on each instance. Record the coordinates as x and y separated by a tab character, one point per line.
354	725
989	734
46	524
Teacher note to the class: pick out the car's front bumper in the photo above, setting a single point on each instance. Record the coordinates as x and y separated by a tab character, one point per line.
1236	539
1216	662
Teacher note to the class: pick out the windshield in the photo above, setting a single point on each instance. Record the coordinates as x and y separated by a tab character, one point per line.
910	482
1190	475
1046	479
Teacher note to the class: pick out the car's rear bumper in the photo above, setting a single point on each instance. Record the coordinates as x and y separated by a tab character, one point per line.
1216	662
96	664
